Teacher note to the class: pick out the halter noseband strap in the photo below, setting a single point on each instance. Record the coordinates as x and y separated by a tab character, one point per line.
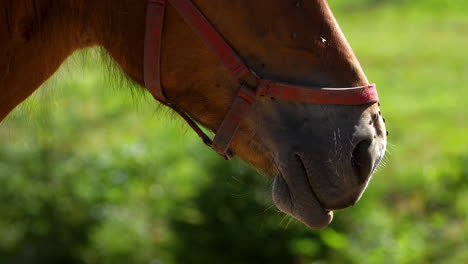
246	95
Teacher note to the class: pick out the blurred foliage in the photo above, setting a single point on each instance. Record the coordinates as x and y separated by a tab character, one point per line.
97	175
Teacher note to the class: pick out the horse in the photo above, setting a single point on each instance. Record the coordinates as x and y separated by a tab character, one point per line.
320	155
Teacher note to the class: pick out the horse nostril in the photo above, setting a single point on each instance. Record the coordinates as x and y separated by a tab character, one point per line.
362	160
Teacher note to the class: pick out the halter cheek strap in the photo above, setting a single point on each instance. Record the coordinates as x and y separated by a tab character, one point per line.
246	95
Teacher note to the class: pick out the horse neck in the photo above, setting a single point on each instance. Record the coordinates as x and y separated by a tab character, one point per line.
40	37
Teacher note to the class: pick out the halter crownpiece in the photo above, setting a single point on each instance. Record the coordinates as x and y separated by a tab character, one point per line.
246	94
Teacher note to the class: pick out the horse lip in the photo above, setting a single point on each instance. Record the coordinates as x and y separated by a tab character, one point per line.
294	196
308	181
312	189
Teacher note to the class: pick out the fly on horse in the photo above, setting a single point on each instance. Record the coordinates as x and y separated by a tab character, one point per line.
264	75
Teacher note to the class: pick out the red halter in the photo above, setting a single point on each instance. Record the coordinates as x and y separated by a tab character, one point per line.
246	94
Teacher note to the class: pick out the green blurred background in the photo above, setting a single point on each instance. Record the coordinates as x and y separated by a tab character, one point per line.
93	172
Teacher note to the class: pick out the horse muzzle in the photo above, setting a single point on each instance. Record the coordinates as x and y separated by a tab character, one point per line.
328	170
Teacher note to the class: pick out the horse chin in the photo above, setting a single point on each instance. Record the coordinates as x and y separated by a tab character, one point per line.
294	196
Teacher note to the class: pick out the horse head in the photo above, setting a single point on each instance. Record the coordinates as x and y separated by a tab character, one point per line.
321	156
